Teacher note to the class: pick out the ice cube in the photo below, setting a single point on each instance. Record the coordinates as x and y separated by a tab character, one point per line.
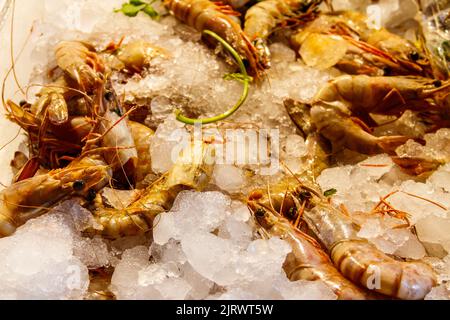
228	177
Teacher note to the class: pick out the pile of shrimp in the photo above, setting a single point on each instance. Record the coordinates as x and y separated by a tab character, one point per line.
82	138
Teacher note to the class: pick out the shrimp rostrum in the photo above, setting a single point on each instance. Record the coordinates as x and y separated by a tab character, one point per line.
341	109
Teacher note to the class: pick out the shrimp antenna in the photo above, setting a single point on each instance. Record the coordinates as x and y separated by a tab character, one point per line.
13	65
300	182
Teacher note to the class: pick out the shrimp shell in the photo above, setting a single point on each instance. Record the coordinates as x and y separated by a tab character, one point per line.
361	262
30	198
206	15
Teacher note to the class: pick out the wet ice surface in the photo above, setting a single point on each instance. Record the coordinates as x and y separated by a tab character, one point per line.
206	245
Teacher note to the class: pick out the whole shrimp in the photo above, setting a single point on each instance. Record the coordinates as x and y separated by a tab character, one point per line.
262	18
192	170
48	143
32	197
307	261
81	66
340	110
356	258
345	40
207	15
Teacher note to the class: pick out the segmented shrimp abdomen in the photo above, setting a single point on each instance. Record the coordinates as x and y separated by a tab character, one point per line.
361	262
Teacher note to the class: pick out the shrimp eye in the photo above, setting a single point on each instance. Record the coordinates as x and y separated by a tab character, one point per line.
291	213
78	185
437	83
109	96
414	56
260	213
387	71
22	103
305	195
91	195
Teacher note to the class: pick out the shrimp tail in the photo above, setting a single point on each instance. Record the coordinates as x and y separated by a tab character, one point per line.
416	166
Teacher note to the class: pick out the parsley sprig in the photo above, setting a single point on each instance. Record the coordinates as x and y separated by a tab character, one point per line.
133	7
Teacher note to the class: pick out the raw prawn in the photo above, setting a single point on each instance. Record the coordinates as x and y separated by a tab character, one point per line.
340	110
307	261
192	170
207	15
31	197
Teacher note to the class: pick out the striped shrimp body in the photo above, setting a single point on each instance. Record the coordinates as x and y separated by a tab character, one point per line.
207	15
359	260
34	196
262	18
192	170
307	261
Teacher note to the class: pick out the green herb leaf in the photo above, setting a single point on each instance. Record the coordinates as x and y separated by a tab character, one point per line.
244	94
131	10
149	10
137	2
330	192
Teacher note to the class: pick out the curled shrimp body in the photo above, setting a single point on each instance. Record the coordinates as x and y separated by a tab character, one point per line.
307	261
111	124
262	18
345	40
80	65
192	170
340	110
48	142
361	262
207	15
80	62
30	198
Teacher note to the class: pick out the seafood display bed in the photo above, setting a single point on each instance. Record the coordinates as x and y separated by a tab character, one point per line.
196	149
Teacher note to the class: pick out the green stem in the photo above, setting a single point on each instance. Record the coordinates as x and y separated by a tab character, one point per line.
244	94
